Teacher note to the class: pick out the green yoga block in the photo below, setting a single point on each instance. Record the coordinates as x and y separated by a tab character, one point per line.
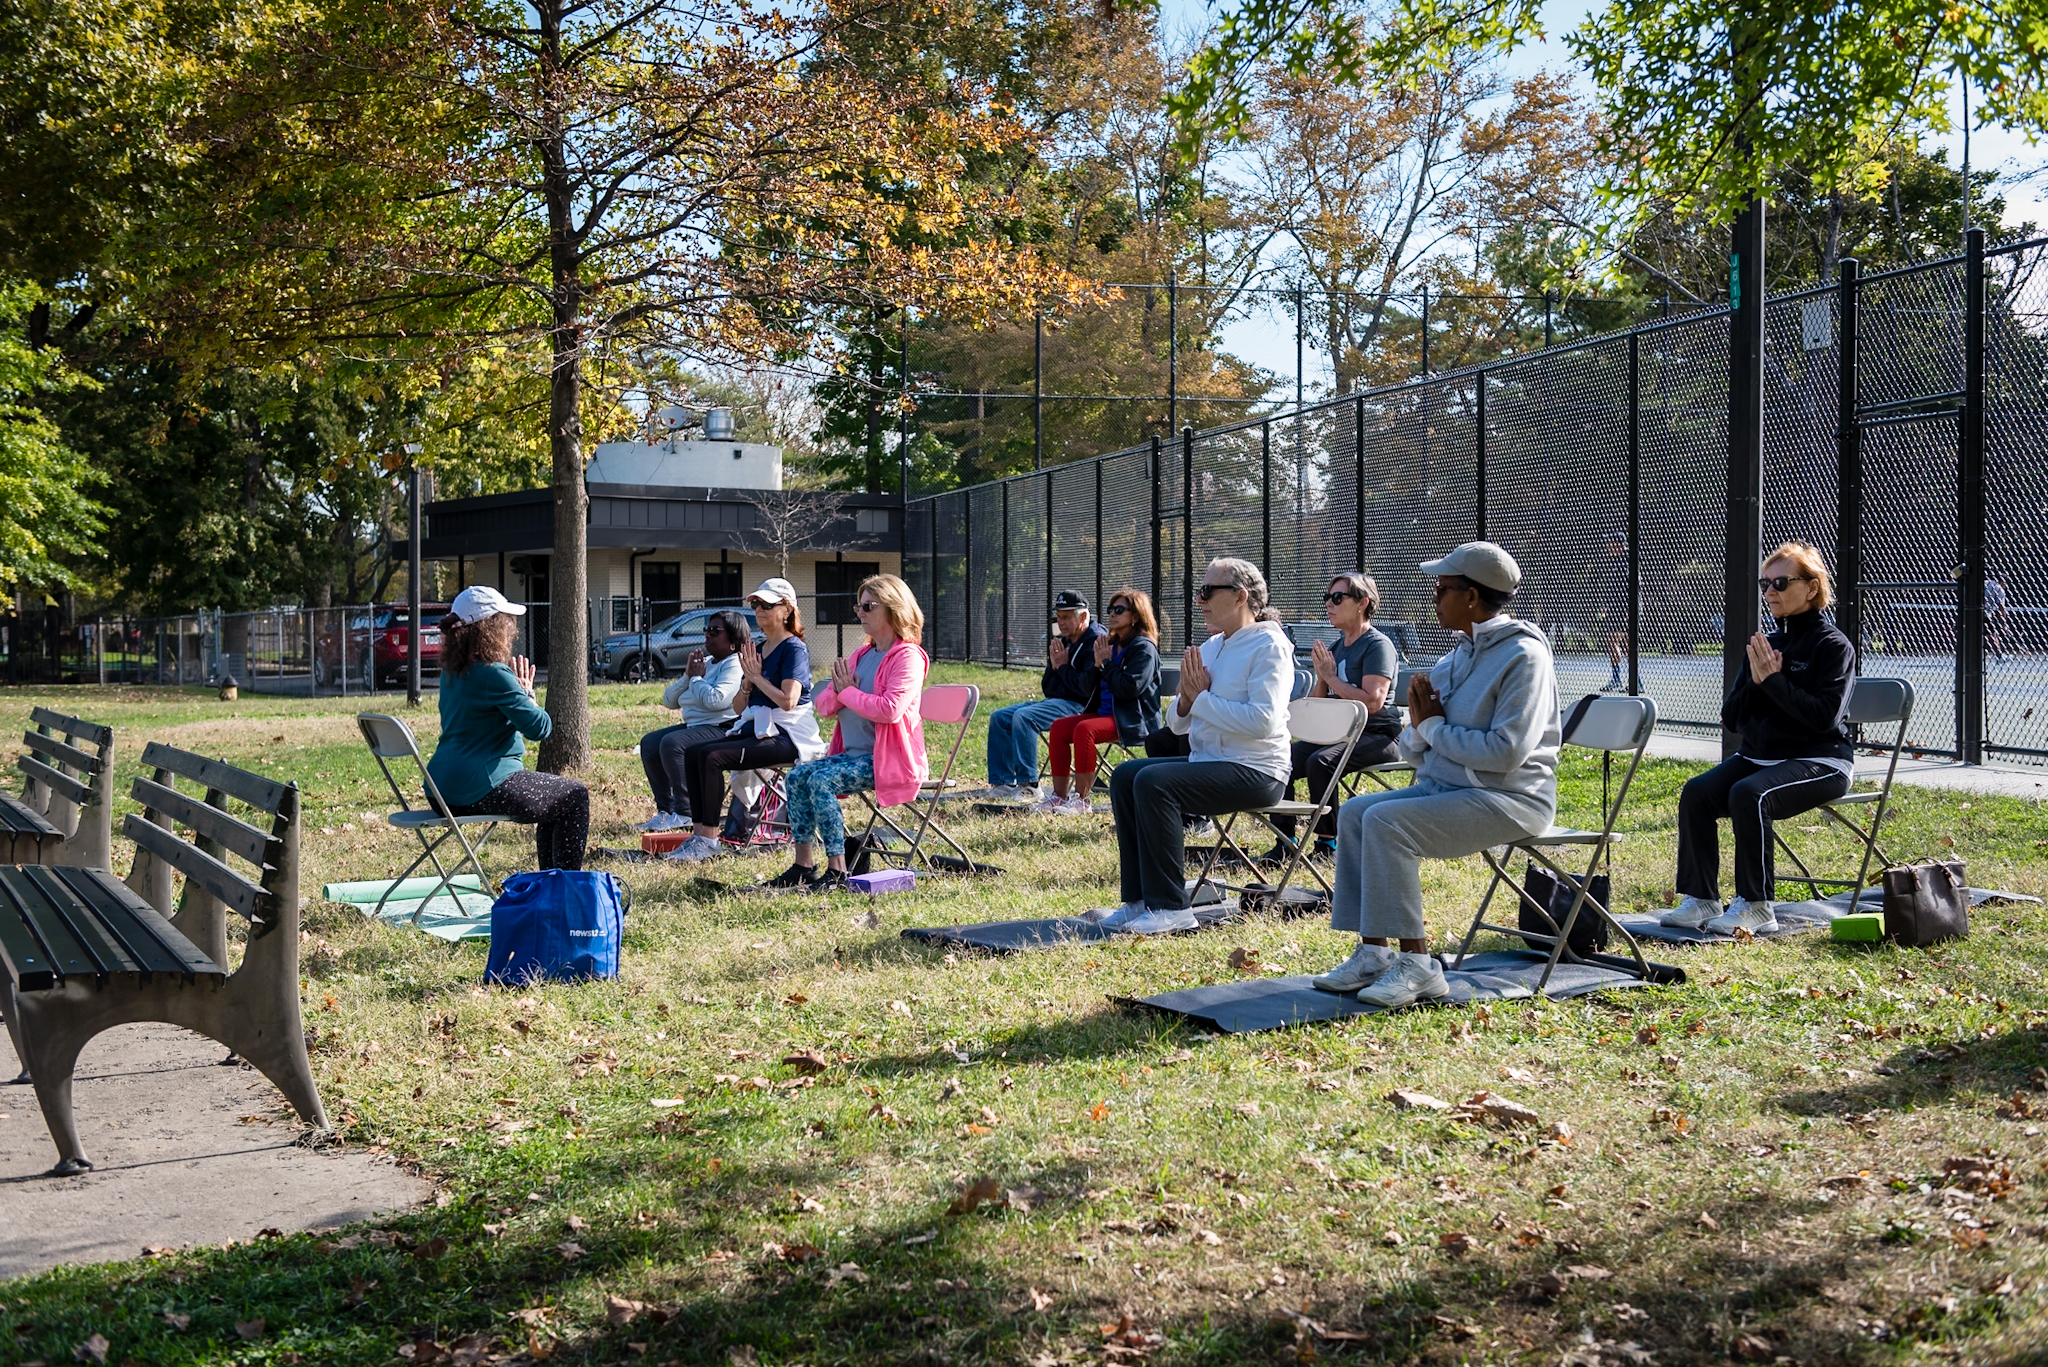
1865	926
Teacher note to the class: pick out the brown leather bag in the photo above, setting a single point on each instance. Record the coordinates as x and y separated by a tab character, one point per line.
1925	904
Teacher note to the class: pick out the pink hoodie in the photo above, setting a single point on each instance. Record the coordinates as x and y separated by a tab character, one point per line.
900	764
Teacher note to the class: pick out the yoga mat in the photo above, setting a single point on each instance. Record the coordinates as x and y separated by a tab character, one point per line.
1794	918
1276	1003
413	888
1008	937
445	918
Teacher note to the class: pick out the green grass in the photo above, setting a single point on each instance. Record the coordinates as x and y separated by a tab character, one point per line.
1757	1157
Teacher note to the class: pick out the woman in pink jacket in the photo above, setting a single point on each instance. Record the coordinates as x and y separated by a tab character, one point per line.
879	741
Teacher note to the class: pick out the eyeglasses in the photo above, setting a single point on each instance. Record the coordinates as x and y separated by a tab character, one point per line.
1340	597
1202	593
1777	583
1119	609
864	608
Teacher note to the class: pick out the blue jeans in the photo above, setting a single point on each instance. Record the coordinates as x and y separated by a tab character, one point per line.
1013	734
814	789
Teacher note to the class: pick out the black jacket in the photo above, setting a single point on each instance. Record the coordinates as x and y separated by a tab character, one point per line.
1133	679
1075	681
1800	712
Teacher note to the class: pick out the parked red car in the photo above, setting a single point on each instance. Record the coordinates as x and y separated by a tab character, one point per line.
378	641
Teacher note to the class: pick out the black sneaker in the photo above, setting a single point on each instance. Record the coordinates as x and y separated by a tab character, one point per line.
795	876
828	880
1279	854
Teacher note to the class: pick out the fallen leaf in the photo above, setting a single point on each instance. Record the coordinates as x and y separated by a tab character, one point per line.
951	1089
620	1311
577	1224
177	1322
250	1329
93	1349
793	1253
1486	1106
1209	1237
867	921
1245	960
1455	1244
1038	1300
900	1008
1589	1272
1708	1222
431	1249
1417	1101
795	999
983	1190
845	1272
570	1250
1099	1112
1753	1348
807	1061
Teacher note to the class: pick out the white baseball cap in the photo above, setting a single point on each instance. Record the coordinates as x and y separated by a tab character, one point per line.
479	601
1482	562
775	591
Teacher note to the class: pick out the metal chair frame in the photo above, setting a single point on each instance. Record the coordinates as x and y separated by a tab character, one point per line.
419	820
1308	720
1605	718
929	792
1872	702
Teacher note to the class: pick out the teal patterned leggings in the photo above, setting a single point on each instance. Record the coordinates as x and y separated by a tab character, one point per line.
814	790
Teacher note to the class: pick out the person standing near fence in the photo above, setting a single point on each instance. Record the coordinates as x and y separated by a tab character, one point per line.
1126	708
1483	733
488	713
704	694
1069	684
1791	708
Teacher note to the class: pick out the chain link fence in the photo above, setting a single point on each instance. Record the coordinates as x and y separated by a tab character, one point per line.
1602	466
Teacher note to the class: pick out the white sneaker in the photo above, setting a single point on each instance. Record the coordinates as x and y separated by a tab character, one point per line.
1691	914
661	821
1411	978
1364	967
1014	792
1204	829
696	850
1048	806
1162	922
1113	918
1758	918
1076	806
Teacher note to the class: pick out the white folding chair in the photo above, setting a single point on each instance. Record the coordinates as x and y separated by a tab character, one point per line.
1610	725
391	739
1872	702
1314	721
942	705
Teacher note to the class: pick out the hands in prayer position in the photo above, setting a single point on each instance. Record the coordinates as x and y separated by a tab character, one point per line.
695	665
843	676
1058	652
1763	661
1323	662
1103	647
1423	702
1194	678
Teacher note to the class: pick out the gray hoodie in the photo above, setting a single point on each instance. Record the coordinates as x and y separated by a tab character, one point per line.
1500	728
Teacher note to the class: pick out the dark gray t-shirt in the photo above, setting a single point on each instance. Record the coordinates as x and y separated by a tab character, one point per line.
1372	653
858	730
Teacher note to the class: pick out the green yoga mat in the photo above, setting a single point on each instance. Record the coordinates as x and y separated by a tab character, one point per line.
467	917
411	889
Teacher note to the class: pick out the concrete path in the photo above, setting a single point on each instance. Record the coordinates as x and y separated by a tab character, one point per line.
175	1164
1999	781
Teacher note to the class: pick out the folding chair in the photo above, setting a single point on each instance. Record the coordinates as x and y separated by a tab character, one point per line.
945	705
1610	725
1379	773
1315	721
391	739
1872	702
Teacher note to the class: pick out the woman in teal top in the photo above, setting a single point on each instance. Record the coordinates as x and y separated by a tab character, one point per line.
488	713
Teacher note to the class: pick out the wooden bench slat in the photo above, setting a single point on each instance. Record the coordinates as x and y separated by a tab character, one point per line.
28	961
70	954
150	940
231	832
75	727
18	816
82	760
266	794
197	865
62	784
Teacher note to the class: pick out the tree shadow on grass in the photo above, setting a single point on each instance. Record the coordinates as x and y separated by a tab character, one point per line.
2006	1065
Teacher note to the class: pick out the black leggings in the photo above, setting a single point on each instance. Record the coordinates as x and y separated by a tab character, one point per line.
1751	796
661	755
706	764
1318	763
557	808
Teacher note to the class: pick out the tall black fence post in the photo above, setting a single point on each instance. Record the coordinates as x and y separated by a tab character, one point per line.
1098	533
1970	510
1045	511
1187	531
1635	513
412	588
1172	351
1266	500
1157	470
1479	441
1740	610
1358	477
1038	392
1006	573
1848	462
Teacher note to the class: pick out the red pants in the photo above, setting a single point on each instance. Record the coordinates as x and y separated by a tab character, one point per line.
1072	743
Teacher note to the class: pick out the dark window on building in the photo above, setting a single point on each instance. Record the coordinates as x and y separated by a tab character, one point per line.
722	585
837	580
661	584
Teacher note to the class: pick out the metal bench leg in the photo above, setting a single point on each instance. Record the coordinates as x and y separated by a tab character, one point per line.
55	1026
7	1010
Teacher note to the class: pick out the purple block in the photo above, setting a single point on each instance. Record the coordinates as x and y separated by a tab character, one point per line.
884	880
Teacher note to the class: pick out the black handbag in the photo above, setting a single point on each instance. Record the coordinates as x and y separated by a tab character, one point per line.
1925	904
1589	932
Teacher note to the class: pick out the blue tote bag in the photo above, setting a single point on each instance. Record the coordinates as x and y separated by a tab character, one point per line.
558	924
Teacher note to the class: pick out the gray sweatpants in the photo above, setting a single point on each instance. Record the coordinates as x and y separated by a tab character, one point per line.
1382	839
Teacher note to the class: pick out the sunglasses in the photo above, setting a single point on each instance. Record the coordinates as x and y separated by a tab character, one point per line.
1340	597
1777	583
1443	588
1202	593
864	608
1119	609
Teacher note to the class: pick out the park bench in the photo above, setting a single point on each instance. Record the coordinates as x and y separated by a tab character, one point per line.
65	814
83	952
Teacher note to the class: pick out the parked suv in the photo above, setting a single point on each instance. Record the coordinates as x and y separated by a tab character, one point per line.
377	643
630	656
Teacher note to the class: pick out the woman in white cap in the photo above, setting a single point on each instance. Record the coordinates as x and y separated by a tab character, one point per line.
776	725
488	713
1483	733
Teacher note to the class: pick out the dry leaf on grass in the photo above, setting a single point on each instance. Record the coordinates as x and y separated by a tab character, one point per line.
984	1190
792	1253
806	1205
1454	1243
808	1061
93	1349
250	1329
845	1272
176	1322
1489	1108
1244	960
1417	1101
570	1250
1752	1348
620	1311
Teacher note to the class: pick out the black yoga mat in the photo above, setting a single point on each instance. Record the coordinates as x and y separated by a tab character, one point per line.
1794	918
1007	937
1276	1003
